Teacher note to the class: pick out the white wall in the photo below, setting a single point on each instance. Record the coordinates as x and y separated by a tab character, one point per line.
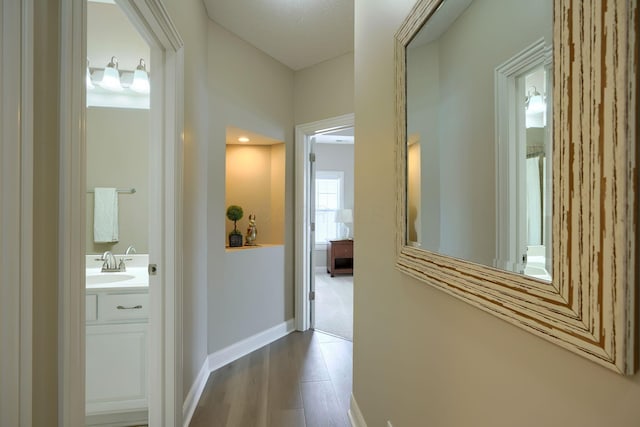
324	90
422	357
249	90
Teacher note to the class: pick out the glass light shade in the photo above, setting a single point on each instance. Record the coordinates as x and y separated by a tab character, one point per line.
140	82
111	79
536	104
90	84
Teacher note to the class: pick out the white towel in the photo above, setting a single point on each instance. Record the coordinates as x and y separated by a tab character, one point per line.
105	215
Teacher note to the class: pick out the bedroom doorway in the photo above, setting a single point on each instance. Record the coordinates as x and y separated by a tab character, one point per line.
324	226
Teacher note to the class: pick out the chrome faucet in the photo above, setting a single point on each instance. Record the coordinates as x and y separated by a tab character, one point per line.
130	250
110	264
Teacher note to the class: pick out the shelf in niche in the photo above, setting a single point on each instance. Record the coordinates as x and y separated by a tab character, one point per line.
255	181
259	246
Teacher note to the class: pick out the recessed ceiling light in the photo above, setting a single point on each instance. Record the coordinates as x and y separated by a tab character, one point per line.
243	139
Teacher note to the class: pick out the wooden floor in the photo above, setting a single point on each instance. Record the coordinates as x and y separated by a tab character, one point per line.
301	380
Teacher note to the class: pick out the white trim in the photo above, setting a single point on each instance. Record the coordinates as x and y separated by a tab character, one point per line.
165	338
355	416
227	355
16	211
195	392
235	351
303	265
509	172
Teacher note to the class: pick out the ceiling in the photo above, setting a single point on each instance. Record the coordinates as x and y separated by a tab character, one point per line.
297	33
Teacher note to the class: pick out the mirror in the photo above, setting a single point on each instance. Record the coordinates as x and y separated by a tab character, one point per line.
516	137
477	187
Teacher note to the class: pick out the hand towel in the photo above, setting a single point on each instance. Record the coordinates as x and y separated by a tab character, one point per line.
105	215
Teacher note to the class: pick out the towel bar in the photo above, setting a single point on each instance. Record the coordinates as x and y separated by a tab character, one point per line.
119	190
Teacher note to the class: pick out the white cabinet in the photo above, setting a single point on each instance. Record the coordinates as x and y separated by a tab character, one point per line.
116	352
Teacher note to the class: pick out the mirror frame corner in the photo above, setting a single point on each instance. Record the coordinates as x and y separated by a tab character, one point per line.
590	307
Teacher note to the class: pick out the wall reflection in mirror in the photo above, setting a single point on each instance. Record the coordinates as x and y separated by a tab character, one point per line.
479	134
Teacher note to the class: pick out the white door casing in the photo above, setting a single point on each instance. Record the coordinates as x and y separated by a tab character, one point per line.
510	155
165	343
303	239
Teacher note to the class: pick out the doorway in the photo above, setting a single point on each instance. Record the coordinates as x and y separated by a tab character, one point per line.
118	177
332	215
163	303
315	293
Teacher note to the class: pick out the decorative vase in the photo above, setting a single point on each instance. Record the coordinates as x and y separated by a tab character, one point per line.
235	240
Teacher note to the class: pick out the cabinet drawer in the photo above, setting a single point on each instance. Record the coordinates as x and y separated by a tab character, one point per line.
343	251
123	306
91	307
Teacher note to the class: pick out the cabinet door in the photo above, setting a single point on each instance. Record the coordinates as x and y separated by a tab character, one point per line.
116	370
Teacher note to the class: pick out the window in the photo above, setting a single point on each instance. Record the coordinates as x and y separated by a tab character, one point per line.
329	198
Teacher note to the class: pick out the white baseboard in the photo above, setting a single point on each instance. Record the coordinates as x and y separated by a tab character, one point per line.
355	416
193	397
227	355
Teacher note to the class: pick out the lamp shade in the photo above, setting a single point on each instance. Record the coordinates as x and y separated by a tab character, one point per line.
344	216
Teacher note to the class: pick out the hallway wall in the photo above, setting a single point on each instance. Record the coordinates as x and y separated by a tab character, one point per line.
419	354
249	90
324	90
191	21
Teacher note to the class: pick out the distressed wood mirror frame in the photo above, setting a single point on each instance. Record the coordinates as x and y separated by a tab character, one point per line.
590	306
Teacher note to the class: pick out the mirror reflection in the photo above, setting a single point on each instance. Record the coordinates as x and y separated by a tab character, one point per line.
479	134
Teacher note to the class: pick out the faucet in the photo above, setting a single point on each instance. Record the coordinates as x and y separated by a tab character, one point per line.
130	250
110	264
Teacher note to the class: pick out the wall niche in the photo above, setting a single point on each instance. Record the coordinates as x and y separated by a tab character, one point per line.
255	181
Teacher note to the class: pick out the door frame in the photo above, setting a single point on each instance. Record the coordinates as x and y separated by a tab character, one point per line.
16	211
165	336
303	245
509	155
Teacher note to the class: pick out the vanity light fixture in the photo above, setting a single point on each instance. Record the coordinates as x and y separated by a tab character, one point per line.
140	82
90	84
243	139
111	76
534	102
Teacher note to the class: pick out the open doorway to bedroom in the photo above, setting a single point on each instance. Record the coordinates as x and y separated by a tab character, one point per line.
333	237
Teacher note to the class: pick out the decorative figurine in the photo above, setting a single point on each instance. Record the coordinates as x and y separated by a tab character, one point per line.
252	231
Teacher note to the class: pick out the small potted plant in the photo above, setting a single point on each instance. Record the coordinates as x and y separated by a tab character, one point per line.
234	213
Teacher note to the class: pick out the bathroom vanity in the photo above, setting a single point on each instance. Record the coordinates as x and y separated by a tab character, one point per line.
117	313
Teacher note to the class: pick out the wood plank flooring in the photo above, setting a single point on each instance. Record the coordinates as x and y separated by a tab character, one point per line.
301	380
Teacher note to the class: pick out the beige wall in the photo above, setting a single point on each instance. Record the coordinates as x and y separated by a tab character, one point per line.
110	33
324	90
118	156
422	357
248	90
252	183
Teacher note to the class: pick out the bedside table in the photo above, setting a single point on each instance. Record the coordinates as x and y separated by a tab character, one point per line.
340	257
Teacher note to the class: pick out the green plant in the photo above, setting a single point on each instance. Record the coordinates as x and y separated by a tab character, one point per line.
235	213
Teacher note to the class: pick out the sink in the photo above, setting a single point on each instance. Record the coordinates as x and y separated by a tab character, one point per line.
100	279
